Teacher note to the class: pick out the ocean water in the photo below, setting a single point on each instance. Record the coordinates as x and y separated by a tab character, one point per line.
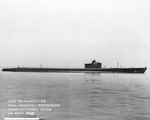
81	96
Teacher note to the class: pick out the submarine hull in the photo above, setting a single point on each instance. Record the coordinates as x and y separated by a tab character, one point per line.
113	70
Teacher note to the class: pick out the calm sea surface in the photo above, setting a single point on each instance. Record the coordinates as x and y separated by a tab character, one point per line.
82	96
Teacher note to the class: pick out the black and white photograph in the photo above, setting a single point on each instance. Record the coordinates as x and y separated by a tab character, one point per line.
74	60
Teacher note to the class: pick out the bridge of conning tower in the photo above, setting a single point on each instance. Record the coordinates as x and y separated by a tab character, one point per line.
94	64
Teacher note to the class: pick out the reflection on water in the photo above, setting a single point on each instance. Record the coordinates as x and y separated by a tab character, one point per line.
82	96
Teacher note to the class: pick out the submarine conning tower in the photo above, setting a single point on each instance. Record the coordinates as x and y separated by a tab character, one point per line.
94	64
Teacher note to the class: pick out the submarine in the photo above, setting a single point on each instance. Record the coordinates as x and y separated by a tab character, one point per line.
94	66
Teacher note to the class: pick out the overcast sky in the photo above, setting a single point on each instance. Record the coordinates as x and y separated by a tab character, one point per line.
72	32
